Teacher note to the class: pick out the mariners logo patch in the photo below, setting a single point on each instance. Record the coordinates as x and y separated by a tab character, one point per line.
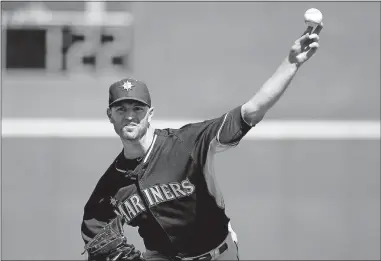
127	86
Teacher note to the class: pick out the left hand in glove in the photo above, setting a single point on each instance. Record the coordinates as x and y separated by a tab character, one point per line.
111	245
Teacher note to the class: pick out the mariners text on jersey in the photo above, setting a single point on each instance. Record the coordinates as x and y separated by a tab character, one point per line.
157	194
172	196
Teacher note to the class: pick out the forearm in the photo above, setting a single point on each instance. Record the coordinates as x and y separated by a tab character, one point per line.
254	110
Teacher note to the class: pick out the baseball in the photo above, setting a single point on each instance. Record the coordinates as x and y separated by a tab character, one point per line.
313	17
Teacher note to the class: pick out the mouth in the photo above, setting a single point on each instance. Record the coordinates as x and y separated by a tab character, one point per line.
130	126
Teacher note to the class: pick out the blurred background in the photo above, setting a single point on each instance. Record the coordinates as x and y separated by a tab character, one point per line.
292	193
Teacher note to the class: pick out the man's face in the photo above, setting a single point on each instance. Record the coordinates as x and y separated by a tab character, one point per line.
130	119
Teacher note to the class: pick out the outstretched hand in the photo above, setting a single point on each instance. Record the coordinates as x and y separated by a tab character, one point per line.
306	46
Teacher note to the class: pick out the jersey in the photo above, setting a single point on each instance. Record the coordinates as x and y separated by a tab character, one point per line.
172	196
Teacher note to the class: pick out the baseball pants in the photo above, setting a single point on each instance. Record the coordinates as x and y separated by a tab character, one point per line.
230	253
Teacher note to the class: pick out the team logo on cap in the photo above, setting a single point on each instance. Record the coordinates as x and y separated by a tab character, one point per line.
127	86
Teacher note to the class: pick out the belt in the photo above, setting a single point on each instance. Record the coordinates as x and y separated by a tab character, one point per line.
210	255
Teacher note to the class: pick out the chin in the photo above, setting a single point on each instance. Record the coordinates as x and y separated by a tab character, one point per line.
130	135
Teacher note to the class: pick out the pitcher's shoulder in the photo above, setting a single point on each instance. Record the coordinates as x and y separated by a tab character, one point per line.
186	132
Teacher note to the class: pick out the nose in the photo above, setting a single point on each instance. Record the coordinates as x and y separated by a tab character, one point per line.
129	114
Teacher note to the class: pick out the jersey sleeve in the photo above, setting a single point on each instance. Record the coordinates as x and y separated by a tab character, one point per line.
227	130
217	134
231	128
98	211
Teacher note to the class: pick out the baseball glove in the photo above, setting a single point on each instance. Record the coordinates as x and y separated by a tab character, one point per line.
111	245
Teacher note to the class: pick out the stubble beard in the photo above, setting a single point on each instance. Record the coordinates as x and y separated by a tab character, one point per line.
134	134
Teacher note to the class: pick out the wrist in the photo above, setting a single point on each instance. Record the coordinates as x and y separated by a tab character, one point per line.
289	66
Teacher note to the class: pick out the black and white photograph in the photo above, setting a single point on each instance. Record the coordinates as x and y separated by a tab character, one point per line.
190	130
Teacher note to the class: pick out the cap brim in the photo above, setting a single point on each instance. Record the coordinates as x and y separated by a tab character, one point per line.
128	99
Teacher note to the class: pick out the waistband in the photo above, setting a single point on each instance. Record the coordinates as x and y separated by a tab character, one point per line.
211	255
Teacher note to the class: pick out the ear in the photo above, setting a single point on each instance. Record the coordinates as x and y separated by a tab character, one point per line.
109	115
150	114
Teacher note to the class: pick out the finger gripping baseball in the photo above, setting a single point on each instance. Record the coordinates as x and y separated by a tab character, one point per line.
111	245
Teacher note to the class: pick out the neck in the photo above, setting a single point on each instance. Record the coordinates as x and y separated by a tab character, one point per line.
138	148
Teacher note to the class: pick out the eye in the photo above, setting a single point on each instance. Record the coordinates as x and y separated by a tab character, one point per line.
138	108
120	109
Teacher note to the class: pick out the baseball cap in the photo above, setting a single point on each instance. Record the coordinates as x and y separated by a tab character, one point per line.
129	89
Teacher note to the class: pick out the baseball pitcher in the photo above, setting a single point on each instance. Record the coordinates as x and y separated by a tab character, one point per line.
163	181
